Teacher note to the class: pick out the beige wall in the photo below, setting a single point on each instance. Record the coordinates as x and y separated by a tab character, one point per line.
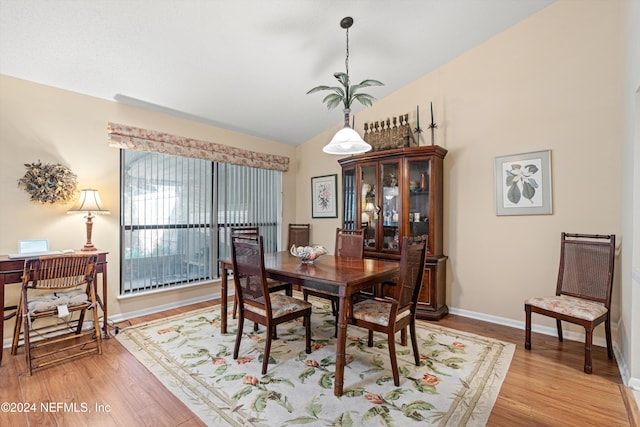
55	126
554	81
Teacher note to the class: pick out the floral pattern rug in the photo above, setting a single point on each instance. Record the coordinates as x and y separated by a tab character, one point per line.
456	384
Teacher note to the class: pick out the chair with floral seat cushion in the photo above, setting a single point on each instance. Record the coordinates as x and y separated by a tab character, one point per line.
51	284
274	285
256	302
583	290
396	311
298	235
349	243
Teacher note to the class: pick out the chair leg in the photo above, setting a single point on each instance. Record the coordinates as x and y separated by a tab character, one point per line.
392	356
307	332
267	349
235	306
588	339
607	330
527	327
414	342
370	339
27	343
16	329
559	327
96	327
403	336
236	349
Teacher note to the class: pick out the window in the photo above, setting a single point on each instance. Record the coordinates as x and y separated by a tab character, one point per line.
177	213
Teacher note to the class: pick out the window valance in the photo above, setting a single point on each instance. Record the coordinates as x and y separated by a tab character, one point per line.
133	138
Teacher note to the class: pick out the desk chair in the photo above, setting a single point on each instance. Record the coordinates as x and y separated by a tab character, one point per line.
257	302
69	281
583	291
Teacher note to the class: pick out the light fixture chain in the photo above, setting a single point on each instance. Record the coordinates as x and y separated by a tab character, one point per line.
346	59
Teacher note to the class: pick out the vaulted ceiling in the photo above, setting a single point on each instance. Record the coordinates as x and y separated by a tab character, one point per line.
243	65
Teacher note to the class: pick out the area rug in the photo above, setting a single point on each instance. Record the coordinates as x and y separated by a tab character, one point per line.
456	384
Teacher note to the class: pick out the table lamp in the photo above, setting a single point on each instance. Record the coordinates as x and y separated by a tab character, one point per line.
89	202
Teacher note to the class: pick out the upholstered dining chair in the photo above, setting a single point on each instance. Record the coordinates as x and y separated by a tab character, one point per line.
57	286
583	290
257	303
274	285
298	235
393	313
349	243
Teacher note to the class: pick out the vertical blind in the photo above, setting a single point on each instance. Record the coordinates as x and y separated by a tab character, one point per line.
177	213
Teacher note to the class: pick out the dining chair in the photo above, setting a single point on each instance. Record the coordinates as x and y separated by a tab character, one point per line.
57	286
274	285
393	313
256	301
349	243
298	235
583	290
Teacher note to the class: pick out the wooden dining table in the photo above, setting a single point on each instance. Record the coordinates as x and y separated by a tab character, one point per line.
335	275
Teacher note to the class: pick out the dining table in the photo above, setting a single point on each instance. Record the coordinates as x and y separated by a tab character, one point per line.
336	275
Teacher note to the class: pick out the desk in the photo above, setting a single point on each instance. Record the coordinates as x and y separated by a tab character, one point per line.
11	272
339	276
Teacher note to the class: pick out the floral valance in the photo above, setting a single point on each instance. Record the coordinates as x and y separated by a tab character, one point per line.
133	138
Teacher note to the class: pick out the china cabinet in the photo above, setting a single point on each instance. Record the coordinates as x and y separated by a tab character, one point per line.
396	193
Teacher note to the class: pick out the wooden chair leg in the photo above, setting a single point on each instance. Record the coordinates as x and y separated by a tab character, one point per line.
527	327
414	342
16	329
236	349
308	333
370	339
607	330
559	327
588	341
391	338
267	349
403	336
27	343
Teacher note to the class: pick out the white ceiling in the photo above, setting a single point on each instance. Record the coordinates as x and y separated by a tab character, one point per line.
244	65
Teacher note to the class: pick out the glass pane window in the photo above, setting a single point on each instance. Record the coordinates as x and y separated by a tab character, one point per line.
175	212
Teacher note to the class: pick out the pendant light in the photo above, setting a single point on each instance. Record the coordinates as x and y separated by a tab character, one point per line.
346	140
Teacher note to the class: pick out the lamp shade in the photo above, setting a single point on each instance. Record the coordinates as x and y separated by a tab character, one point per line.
89	201
346	141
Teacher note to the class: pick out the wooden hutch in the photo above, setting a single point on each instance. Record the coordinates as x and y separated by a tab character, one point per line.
396	193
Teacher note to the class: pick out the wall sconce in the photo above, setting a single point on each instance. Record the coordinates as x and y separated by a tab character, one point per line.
89	202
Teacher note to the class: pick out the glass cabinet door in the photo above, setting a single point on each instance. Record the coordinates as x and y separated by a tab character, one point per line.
349	201
391	204
369	205
418	211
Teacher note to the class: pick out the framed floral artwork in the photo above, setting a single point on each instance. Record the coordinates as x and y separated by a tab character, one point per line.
324	197
523	184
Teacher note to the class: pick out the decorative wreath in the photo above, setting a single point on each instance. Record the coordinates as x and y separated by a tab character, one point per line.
48	183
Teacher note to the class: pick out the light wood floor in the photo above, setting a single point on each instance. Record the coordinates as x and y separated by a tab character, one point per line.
544	386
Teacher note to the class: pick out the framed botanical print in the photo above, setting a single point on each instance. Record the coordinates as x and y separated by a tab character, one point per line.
324	197
523	184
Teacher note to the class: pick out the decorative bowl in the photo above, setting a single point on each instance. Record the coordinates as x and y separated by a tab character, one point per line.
308	254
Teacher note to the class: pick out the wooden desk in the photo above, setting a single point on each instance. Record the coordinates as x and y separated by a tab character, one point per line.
339	276
11	272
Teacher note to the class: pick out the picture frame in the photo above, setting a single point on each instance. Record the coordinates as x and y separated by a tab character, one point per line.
523	184
324	197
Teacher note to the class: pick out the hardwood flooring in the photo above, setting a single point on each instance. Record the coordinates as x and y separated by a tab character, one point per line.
544	386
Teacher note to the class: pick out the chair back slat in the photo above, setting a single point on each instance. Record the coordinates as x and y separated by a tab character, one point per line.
59	271
408	287
245	230
586	267
298	235
248	270
349	242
